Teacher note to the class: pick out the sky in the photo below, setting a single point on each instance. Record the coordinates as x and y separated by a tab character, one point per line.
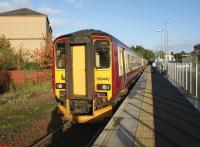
134	22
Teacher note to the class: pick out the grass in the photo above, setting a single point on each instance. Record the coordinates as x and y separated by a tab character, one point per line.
24	91
14	120
24	104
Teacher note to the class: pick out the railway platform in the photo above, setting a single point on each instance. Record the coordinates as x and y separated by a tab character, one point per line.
155	113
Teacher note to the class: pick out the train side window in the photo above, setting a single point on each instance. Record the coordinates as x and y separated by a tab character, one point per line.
102	54
134	61
60	55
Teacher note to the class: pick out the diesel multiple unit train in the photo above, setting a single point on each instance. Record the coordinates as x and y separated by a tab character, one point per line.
92	70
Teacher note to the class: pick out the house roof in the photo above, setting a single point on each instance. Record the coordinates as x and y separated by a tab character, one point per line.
21	12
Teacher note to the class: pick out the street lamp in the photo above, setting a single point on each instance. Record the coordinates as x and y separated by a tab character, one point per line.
166	34
160	31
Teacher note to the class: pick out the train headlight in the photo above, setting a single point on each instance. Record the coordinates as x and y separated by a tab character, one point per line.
60	85
103	86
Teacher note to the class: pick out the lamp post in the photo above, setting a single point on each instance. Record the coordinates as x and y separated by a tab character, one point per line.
161	49
166	35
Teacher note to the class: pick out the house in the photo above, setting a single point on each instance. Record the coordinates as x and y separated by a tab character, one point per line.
25	28
169	57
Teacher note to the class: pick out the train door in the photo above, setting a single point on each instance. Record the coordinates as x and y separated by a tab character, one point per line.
124	66
78	69
80	75
122	72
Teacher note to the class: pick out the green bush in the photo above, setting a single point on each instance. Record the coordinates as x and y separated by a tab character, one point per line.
15	59
32	66
7	55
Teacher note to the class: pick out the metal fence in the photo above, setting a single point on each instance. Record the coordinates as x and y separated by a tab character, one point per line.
186	75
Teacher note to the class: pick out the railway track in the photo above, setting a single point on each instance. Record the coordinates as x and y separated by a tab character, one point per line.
70	134
48	137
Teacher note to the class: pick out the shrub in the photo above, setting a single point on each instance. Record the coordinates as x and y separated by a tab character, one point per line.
21	58
7	54
43	56
14	59
32	66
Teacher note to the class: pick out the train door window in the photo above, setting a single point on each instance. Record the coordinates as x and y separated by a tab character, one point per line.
60	55
120	61
138	61
131	62
102	54
126	61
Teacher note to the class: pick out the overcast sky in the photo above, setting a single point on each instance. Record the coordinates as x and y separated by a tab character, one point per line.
131	21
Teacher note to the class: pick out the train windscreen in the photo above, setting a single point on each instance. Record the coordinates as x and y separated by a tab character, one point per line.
102	54
60	55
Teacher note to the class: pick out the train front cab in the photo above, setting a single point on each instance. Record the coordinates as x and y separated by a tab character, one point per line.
83	77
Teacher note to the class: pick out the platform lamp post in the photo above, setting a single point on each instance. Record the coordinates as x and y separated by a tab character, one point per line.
161	38
166	35
166	42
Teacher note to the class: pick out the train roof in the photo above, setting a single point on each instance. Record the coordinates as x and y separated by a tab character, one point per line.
92	32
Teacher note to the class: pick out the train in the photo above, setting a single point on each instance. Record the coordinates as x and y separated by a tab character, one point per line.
91	72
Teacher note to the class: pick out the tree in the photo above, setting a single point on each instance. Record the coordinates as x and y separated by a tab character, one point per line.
43	56
145	53
6	54
197	47
179	56
183	53
149	54
21	58
140	50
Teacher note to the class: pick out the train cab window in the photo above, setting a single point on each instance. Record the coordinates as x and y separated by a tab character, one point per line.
102	54
60	55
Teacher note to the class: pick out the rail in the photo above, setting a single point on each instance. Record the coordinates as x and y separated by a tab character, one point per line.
48	136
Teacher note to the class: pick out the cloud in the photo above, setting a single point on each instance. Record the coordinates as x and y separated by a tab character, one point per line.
7	5
20	1
178	45
48	11
76	3
80	24
79	5
66	25
70	1
59	22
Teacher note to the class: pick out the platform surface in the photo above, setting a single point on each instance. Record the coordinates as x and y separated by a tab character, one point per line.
155	113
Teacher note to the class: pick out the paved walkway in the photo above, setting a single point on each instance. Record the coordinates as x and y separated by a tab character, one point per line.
154	113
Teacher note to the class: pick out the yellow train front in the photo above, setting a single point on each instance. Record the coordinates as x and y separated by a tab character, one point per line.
91	71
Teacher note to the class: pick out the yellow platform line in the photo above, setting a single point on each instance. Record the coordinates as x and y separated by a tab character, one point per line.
145	135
